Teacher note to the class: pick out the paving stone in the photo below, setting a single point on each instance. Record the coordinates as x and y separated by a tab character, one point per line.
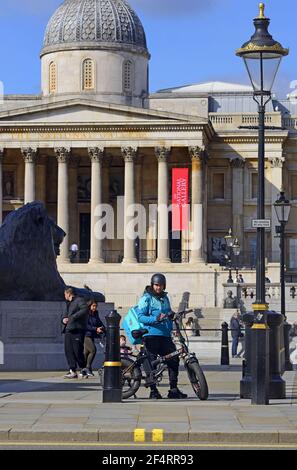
234	437
46	435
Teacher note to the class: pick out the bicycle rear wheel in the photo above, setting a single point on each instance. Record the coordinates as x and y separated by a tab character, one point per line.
197	380
131	377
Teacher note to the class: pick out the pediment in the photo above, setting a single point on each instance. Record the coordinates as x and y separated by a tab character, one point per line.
88	111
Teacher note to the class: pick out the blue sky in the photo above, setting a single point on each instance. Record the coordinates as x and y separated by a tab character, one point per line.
190	40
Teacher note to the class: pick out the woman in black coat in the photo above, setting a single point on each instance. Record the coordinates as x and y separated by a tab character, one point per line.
95	328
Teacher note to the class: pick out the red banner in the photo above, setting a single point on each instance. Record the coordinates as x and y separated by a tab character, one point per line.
180	197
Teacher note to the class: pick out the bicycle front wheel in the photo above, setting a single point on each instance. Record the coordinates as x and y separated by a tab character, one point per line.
197	380
131	377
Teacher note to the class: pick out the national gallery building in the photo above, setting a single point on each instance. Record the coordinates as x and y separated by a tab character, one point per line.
96	135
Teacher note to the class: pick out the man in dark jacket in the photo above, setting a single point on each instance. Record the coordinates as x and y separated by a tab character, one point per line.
75	321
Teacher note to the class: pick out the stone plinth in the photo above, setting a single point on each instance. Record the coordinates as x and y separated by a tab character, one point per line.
31	335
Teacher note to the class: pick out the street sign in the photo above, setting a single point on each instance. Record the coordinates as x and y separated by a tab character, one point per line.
261	223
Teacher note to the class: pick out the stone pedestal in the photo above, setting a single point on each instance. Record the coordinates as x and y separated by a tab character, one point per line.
30	335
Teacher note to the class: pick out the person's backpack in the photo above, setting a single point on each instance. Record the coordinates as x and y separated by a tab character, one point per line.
131	323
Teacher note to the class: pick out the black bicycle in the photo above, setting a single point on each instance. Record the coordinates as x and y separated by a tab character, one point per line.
143	368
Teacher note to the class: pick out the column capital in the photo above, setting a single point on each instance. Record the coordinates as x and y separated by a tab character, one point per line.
162	153
197	153
276	162
96	154
29	155
62	154
237	162
129	154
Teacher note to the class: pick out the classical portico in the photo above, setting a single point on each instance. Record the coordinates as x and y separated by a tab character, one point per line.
153	147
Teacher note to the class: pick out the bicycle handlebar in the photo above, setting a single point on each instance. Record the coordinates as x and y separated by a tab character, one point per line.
175	315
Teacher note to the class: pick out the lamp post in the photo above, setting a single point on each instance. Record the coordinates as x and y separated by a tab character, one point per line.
236	251
283	208
229	239
262	56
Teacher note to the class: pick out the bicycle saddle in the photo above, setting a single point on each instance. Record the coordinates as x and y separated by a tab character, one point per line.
139	333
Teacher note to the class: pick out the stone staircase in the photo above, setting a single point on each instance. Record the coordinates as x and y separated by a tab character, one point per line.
208	344
212	319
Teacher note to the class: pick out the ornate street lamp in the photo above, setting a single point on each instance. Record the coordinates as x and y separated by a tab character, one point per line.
283	208
229	239
262	56
236	251
236	247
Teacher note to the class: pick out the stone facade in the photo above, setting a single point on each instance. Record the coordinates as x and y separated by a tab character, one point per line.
76	147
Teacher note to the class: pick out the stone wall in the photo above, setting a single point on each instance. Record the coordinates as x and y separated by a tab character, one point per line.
31	335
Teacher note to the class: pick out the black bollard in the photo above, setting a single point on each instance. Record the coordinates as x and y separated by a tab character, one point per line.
112	382
245	383
277	386
288	363
282	349
275	383
225	345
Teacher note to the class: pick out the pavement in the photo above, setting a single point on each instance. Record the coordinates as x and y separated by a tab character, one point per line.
43	407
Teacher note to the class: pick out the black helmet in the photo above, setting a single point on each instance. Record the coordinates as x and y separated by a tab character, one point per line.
158	279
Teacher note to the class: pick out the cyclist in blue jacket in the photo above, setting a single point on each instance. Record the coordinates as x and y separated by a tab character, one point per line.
153	308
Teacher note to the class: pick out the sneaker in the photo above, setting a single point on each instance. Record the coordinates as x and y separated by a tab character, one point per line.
90	373
71	375
176	394
83	374
155	395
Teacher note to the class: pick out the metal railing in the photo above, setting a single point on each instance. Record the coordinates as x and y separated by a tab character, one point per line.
142	256
247	259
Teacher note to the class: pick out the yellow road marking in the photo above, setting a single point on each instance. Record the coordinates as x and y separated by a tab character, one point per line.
139	435
131	444
157	435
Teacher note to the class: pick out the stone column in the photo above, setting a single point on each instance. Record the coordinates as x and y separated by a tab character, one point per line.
1	184
237	165
74	234
63	156
29	156
96	155
276	164
129	154
197	157
41	178
162	154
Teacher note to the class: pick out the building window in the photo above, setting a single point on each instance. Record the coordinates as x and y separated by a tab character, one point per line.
128	76
293	253
88	75
218	189
254	183
294	187
52	77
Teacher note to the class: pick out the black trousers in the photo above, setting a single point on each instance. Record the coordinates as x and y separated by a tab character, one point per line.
74	349
160	345
89	352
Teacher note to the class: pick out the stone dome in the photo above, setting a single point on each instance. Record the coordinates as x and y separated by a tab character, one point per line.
95	24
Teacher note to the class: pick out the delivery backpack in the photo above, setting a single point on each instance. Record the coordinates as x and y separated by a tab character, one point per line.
131	323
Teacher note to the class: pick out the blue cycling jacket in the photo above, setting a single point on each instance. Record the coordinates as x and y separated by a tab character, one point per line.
149	308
